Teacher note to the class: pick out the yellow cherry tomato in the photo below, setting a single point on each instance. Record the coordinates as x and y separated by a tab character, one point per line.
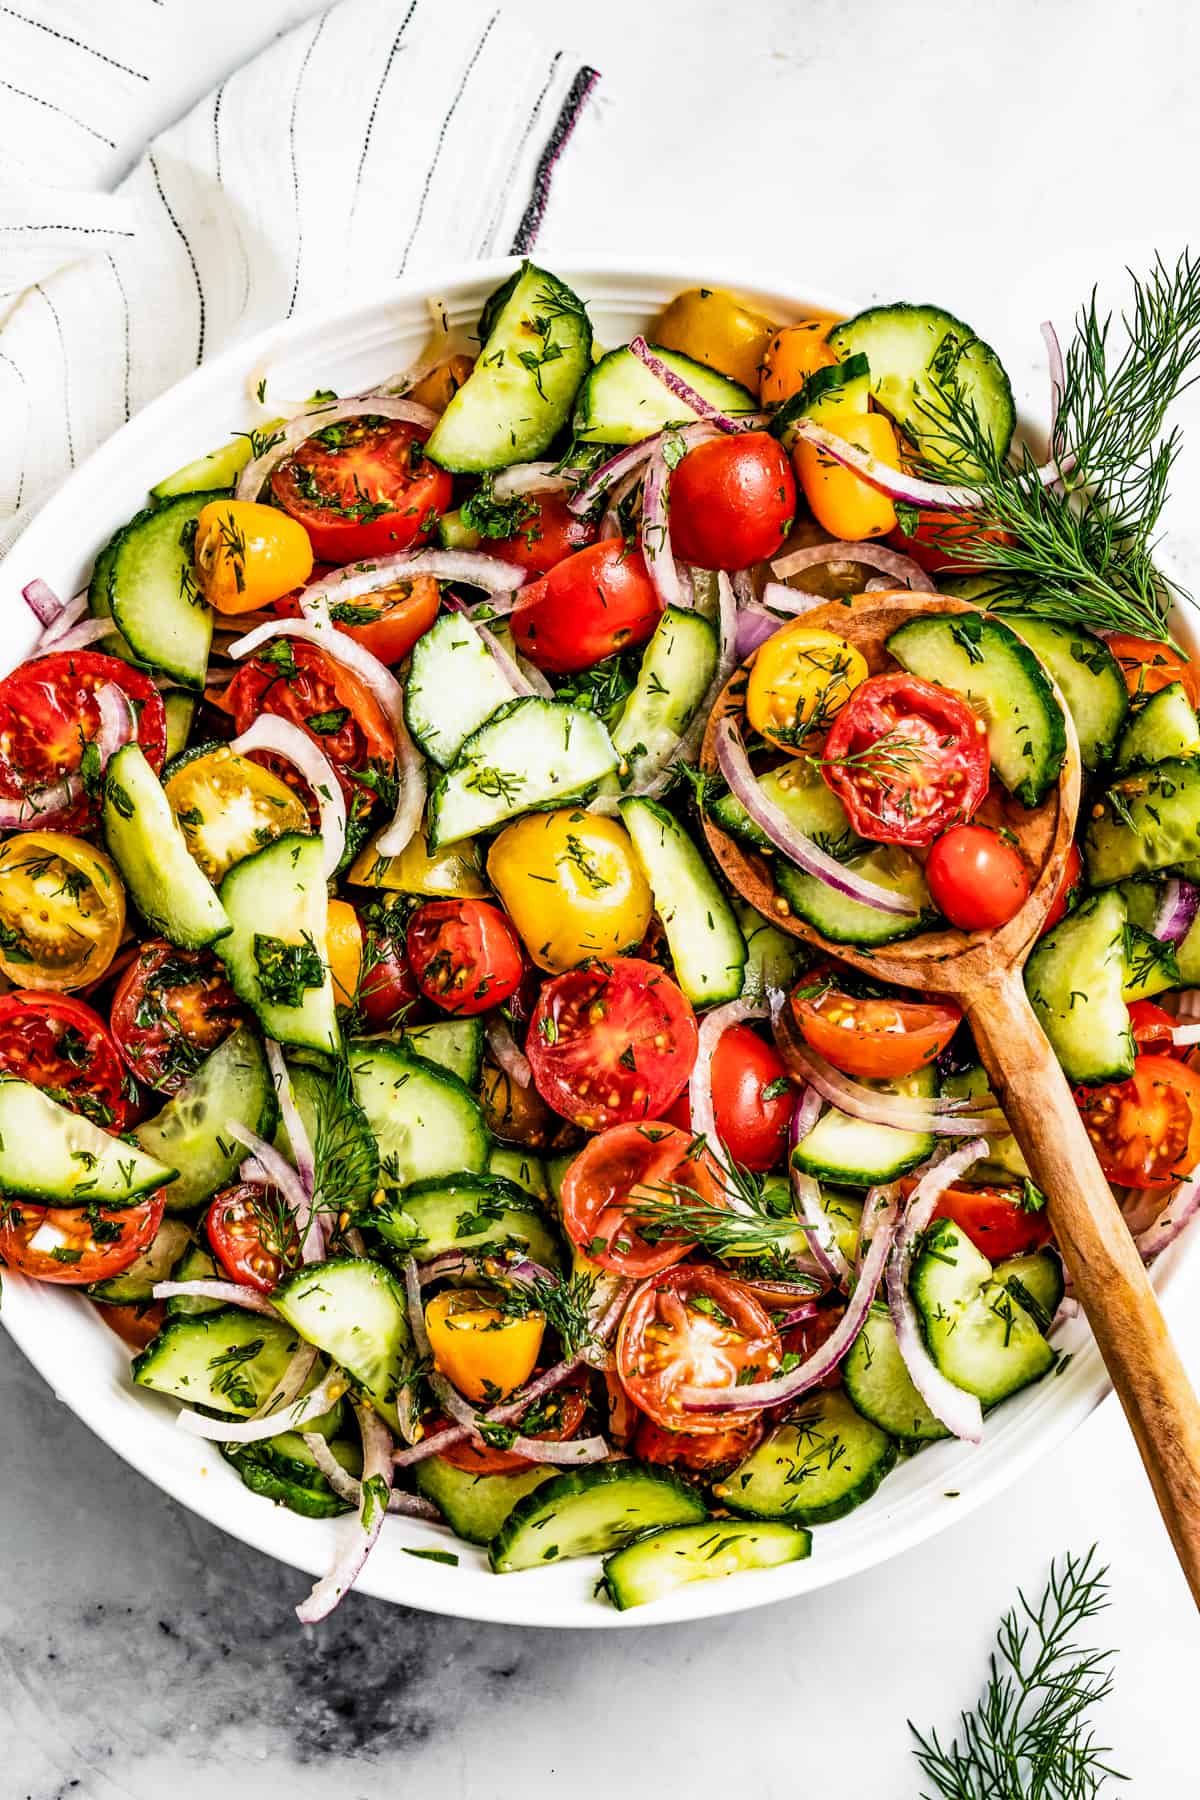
484	1354
792	355
840	501
715	327
800	681
62	910
451	873
248	555
437	389
343	950
228	807
572	886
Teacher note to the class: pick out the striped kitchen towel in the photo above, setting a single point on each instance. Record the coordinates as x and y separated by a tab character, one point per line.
378	137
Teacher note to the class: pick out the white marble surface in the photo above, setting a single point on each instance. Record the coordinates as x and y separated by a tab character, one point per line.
1000	159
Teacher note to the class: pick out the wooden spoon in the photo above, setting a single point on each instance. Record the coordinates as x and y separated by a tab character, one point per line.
982	971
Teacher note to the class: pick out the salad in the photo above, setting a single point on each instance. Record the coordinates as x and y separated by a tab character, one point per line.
384	1057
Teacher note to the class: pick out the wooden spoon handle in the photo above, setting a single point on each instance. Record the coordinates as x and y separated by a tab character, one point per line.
1109	1278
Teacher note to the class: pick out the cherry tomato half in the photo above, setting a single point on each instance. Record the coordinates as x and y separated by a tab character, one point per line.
596	603
881	1039
977	879
136	1325
547	534
48	714
732	501
938	538
1153	1029
252	1236
693	1326
362	488
698	1451
611	1042
387	622
1068	888
465	955
63	1047
554	1418
1148	665
170	1008
906	759
996	1219
1146	1131
76	1245
297	681
612	1173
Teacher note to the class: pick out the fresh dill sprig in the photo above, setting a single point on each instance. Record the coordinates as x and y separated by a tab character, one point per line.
565	1306
345	1159
1029	1737
1082	550
755	1219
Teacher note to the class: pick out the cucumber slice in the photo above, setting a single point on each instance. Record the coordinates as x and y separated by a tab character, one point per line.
194	1265
522	1168
832	396
706	943
1089	679
425	1122
1149	819
151	852
233	1086
913	352
1036	1278
822	1463
475	1506
454	686
277	904
353	1310
152	591
881	1387
537	346
621	402
1075	979
99	605
158	1259
287	1480
215	470
532	753
180	709
981	659
1162	728
453	1044
226	1361
49	1153
475	1215
979	1334
839	1148
591	1510
677	668
1150	966
773	958
662	1561
344	1151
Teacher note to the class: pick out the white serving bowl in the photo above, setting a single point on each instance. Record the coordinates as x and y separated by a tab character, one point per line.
60	1333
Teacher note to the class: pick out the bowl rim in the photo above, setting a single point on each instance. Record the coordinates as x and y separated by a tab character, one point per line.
134	1424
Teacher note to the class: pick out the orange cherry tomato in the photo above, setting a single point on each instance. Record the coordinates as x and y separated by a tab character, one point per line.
387	622
882	1040
136	1326
792	356
1148	665
841	501
1146	1130
248	555
475	1345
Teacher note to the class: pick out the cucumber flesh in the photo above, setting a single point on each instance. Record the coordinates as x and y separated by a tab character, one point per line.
842	1149
1075	979
194	1265
676	671
227	1361
217	469
277	903
136	1283
49	1153
425	1122
663	1561
180	709
1163	727
354	1311
533	753
705	940
232	1086
152	593
1149	819
453	1044
522	1168
817	1466
1150	966
151	852
881	1387
1040	1289
979	1335
1089	679
475	1506
475	1215
621	402
590	1510
773	958
454	686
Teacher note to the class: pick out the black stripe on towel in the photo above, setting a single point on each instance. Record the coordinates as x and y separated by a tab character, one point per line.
387	69
564	125
441	139
182	236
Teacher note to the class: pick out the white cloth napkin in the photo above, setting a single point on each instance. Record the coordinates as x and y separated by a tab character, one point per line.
380	136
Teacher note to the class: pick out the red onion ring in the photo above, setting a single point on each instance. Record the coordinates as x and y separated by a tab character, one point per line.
293	1124
354	583
347	1487
351	1560
1179	1211
42	601
626	463
528	478
297	430
1176	911
874	556
87	631
783	1389
755	625
507	1053
770	819
267	1165
947	1118
684	392
291	1383
256	1431
231	1293
282	738
957	1410
73	611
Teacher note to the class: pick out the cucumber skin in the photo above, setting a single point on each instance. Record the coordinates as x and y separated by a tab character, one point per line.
734	1496
578	1482
475	1506
1062	996
652	1566
182	1195
185	505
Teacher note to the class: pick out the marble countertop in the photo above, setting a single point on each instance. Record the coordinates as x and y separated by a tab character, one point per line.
1001	159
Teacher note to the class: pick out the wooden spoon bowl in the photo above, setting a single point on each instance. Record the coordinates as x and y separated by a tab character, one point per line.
983	972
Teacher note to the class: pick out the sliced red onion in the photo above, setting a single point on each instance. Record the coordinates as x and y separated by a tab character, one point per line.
297	1133
374	1497
1177	911
280	737
523	679
71	613
489	1267
230	1293
117	723
267	1165
256	1431
528	478
818	1228
878	584
946	1118
1180	1209
473	567
410	767
1058	380
507	1052
297	430
755	625
347	1487
796	1315
898	483
656	533
743	586
783	1389
957	1410
292	1382
684	391
713	1027
776	1295
770	819
42	601
416	1310
413	1506
626	463
611	525
87	631
874	556
791	600
1185	1034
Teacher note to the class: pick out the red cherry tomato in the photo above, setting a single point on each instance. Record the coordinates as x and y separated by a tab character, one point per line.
362	488
387	622
170	1008
732	501
465	955
299	682
76	1245
698	1451
1149	665
1153	1029
388	994
906	759
548	533
603	1185
996	1219
252	1236
62	1046
977	879
692	1326
1146	1130
883	1040
1068	888
611	1043
596	603
553	1419
136	1326
48	715
752	1098
936	542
